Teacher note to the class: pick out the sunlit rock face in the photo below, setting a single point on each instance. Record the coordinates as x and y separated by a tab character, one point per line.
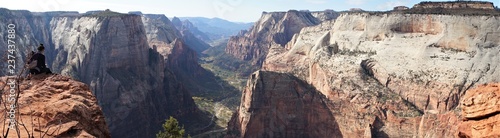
384	74
271	29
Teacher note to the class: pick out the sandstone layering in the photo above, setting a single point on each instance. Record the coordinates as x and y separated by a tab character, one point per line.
378	75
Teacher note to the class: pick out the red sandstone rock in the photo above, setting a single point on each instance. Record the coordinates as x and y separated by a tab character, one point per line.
481	112
57	106
275	28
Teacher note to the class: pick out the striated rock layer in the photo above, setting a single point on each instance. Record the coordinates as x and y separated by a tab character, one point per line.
387	74
57	106
281	105
427	60
275	28
111	53
481	110
456	5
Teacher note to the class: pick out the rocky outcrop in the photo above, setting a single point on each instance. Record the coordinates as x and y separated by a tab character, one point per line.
280	105
276	28
456	5
392	74
160	33
56	106
481	112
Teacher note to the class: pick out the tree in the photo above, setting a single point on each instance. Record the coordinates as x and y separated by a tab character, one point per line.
171	129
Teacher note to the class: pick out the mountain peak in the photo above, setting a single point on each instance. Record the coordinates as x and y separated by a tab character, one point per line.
176	21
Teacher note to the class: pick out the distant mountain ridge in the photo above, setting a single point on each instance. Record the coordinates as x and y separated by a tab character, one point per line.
217	28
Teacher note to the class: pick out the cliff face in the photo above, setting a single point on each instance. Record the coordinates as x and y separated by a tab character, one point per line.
111	53
481	110
30	31
57	106
427	60
390	75
160	33
276	28
281	105
137	86
456	5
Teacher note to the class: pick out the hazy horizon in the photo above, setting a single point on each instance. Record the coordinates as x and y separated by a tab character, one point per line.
231	10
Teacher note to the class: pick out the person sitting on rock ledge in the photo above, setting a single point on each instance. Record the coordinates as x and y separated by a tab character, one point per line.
39	57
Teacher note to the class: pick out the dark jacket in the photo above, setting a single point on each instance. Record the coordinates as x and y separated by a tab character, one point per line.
40	59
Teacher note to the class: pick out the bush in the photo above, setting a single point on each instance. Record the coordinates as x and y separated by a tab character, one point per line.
171	129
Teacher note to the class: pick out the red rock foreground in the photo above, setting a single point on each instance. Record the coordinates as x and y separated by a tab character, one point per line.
481	111
55	106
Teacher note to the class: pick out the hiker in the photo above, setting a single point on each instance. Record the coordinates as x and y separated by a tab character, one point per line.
39	58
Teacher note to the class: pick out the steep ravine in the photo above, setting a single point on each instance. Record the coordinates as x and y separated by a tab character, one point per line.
280	105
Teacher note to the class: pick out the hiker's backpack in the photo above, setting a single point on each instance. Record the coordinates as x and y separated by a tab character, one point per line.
31	63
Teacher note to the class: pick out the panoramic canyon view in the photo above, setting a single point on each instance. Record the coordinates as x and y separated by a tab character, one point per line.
250	69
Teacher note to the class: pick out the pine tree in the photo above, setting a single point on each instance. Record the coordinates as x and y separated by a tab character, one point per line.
171	129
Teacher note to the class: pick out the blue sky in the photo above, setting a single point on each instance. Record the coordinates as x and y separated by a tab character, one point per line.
233	10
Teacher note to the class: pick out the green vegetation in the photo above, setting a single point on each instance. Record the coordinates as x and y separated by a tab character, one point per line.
438	11
356	52
222	112
171	129
225	66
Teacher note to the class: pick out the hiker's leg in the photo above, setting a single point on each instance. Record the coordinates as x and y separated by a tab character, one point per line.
46	71
34	71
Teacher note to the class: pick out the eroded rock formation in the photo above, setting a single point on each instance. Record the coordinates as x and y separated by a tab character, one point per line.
56	106
456	5
481	112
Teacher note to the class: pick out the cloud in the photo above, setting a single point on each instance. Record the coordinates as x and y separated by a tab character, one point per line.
356	2
316	1
391	4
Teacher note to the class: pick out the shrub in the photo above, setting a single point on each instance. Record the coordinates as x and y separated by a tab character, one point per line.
171	129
